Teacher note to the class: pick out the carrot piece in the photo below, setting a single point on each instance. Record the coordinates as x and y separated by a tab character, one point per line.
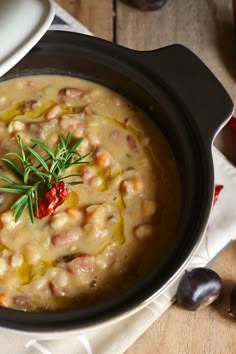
103	158
137	184
3	300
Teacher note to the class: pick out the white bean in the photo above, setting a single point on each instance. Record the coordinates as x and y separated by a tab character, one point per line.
93	139
144	231
149	207
48	125
105	260
69	123
97	214
96	93
16	260
8	220
58	220
91	231
26	138
15	126
84	147
61	278
88	172
3	266
132	186
39	283
53	112
96	182
2	100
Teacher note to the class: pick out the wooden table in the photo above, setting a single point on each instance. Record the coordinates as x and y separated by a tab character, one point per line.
206	27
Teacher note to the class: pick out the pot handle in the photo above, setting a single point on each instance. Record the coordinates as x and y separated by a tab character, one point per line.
194	84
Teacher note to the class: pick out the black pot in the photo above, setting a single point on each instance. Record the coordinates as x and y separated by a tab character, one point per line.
189	105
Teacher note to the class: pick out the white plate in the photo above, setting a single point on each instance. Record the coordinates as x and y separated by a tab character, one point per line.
22	24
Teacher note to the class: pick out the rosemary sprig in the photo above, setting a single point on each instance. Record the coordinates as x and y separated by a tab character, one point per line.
37	174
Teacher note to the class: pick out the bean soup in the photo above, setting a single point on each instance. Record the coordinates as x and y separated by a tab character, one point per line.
113	225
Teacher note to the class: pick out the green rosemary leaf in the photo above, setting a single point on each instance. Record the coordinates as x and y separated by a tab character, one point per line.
86	155
19	210
67	161
36	202
68	140
57	150
77	144
44	147
39	158
27	155
68	176
19	201
46	160
37	172
15	188
27	173
13	154
76	182
30	206
19	141
7	179
12	167
54	176
76	153
79	162
22	200
61	144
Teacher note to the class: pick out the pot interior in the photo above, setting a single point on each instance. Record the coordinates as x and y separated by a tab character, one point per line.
121	70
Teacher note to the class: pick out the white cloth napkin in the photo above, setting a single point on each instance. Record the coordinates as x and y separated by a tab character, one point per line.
117	337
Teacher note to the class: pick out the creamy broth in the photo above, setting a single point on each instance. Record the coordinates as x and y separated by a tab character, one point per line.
114	226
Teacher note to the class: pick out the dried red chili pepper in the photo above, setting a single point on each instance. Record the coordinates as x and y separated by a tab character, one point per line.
52	199
218	189
232	125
